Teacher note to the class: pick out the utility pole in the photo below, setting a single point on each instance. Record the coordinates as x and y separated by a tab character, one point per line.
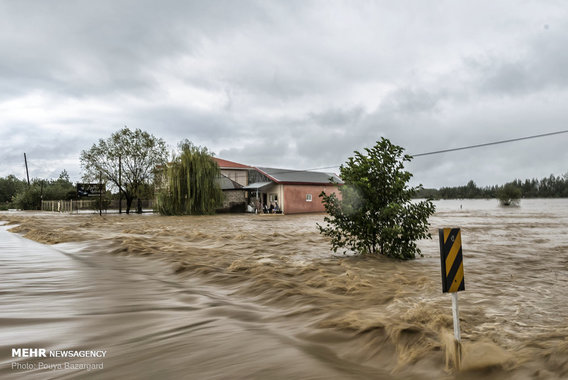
120	184
27	172
41	196
101	193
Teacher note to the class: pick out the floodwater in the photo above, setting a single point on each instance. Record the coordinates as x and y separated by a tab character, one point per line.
261	296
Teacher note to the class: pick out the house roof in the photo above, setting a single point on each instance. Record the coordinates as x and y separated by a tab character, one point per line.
285	176
225	183
226	164
299	176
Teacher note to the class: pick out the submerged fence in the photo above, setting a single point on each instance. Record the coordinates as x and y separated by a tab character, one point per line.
91	205
68	206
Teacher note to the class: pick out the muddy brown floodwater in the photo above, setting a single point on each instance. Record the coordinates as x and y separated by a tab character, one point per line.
258	296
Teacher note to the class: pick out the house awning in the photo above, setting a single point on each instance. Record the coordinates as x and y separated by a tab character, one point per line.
257	185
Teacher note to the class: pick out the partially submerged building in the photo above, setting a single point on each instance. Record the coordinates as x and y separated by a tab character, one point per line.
234	196
236	172
293	191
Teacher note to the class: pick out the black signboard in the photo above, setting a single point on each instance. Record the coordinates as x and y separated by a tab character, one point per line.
90	189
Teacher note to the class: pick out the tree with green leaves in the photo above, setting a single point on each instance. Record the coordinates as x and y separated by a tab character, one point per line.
189	183
30	197
509	195
375	214
140	154
10	186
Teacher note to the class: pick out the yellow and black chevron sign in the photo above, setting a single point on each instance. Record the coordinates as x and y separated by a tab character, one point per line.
452	260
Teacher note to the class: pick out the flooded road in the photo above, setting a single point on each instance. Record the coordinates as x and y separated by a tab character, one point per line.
250	296
152	326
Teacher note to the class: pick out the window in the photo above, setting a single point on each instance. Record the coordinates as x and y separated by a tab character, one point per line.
308	197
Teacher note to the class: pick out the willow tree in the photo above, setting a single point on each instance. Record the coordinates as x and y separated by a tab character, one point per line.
189	183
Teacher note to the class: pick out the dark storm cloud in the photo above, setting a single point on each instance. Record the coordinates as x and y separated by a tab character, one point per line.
298	84
79	47
259	152
178	123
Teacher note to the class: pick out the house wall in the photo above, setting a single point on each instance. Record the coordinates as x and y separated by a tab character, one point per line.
240	176
274	189
233	201
295	198
232	197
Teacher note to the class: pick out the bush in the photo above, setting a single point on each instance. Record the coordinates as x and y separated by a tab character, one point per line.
509	195
29	199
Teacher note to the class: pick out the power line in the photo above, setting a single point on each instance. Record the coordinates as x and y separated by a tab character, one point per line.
282	171
488	144
470	146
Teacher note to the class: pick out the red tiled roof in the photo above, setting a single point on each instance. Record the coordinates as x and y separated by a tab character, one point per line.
230	164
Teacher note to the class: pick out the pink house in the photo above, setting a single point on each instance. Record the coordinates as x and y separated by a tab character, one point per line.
293	191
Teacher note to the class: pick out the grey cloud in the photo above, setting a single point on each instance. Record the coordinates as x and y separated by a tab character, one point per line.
408	100
81	47
175	123
269	152
537	65
337	117
296	84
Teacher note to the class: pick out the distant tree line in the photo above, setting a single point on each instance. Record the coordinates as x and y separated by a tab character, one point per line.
15	193
547	187
132	164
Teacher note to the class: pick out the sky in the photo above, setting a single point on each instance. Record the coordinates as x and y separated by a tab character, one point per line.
289	84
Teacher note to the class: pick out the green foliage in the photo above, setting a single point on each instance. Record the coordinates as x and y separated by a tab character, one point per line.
100	204
60	189
424	193
547	187
469	191
375	214
29	198
189	183
140	153
9	187
509	195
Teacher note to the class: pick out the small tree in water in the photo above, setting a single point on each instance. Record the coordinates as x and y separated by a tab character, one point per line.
375	214
509	195
190	183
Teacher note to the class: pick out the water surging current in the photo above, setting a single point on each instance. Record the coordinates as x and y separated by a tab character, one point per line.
254	296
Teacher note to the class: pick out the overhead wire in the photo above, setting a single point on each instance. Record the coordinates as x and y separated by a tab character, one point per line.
489	144
439	151
469	146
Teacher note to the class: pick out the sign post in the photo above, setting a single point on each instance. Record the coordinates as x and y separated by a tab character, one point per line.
456	315
101	194
451	259
120	184
92	190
